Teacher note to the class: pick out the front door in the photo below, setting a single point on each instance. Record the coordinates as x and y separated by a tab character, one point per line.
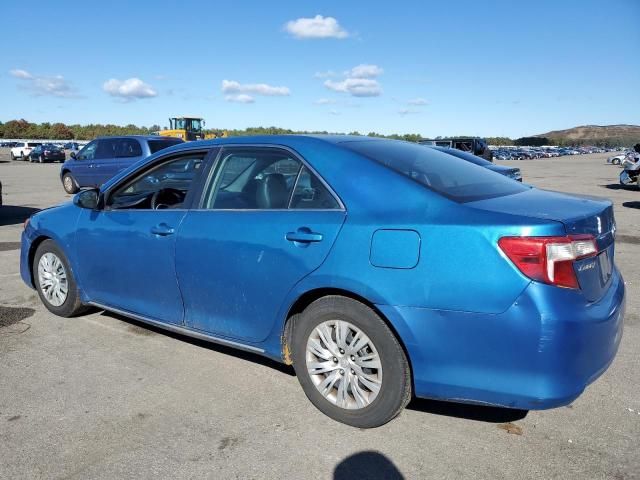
265	223
126	251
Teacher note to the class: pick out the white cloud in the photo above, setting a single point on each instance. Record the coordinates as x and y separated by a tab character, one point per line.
327	74
240	98
358	87
334	112
417	102
407	111
129	89
22	74
232	87
316	27
364	71
325	101
41	85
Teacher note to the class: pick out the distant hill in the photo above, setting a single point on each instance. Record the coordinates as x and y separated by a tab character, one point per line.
595	134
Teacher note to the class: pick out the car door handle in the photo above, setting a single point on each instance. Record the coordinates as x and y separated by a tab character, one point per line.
304	235
162	230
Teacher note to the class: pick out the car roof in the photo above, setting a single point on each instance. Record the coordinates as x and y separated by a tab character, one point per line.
139	137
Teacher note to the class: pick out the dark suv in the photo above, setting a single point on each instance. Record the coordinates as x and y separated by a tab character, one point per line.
473	145
102	158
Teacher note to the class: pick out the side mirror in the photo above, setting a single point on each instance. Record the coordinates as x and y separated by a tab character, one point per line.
87	199
72	154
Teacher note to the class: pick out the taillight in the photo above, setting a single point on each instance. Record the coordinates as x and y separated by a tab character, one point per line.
549	259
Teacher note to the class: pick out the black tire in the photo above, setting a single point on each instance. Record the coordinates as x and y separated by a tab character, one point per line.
72	305
616	161
69	184
41	159
395	390
13	157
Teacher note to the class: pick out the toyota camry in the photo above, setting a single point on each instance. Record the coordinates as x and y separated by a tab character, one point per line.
381	270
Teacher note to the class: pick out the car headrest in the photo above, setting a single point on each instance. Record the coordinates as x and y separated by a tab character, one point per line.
272	192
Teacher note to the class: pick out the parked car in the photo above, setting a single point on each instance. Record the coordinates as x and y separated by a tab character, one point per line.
617	159
71	146
0	194
474	145
405	271
22	150
46	153
513	173
102	158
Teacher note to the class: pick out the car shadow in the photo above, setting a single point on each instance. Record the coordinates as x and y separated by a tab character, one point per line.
369	465
617	186
13	215
478	413
635	204
145	329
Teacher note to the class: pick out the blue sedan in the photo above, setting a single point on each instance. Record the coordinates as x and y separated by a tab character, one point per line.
380	269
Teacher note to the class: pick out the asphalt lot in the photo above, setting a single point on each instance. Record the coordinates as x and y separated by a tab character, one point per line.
101	396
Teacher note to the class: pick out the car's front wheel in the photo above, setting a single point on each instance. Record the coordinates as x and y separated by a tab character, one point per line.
616	161
69	183
349	363
54	281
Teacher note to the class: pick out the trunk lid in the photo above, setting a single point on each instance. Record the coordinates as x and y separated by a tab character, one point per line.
580	215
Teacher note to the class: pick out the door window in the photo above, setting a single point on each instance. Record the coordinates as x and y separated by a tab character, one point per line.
311	193
88	152
249	179
163	186
106	149
127	147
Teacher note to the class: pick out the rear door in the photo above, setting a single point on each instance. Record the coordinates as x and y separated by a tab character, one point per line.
128	151
265	222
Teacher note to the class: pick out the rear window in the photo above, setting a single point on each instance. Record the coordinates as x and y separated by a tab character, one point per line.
33	144
157	145
450	176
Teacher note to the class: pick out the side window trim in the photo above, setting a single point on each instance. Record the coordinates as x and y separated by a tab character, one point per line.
210	177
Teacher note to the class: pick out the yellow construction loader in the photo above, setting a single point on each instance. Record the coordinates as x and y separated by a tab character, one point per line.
188	129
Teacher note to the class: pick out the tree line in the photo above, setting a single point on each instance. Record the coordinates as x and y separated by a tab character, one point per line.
60	131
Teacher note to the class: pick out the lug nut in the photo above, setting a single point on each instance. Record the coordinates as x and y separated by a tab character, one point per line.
353	372
335	360
353	358
342	351
341	372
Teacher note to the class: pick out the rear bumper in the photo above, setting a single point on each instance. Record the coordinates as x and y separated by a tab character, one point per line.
541	353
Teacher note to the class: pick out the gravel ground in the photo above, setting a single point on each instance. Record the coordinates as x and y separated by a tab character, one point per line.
101	396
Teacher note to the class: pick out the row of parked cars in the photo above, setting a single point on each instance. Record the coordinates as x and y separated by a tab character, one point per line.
40	152
529	153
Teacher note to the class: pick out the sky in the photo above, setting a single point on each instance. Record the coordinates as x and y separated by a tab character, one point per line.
494	68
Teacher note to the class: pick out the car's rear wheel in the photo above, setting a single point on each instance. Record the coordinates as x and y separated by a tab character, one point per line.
69	183
349	363
616	161
54	281
41	159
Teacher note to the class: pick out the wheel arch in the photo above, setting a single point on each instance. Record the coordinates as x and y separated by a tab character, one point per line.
310	296
32	254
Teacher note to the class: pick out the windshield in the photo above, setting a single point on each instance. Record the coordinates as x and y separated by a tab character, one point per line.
157	145
450	176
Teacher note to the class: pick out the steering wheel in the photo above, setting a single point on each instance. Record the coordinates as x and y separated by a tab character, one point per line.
166	198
